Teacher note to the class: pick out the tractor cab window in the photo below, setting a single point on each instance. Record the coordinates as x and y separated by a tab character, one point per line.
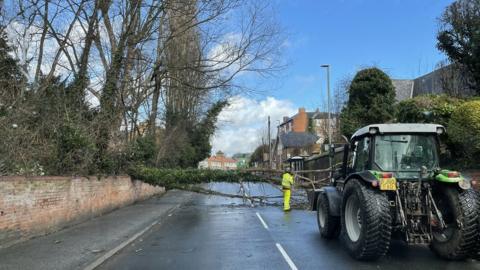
362	154
405	152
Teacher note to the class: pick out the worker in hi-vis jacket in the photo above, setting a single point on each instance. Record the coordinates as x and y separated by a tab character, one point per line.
287	183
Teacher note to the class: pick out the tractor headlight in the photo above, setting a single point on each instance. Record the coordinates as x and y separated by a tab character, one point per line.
464	184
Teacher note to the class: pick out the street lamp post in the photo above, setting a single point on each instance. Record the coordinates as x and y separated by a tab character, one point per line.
328	105
330	143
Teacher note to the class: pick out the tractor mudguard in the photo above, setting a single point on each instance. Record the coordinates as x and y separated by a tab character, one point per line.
312	198
334	199
443	176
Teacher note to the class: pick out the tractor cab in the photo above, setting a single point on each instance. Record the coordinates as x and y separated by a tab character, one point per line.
402	150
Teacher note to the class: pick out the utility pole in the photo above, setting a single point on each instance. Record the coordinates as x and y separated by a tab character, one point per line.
269	146
263	152
330	143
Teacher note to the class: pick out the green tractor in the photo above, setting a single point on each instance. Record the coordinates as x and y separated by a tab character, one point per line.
390	185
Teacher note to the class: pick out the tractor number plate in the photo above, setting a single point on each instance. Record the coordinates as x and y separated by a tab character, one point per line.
388	184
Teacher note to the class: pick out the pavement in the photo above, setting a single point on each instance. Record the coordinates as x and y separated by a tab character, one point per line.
79	246
211	232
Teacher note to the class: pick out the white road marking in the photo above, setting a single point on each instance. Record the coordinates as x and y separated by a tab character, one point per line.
112	252
262	221
286	257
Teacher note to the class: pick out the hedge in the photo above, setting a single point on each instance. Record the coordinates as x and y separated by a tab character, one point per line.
464	132
440	107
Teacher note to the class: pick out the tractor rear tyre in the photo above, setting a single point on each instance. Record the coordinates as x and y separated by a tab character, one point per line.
476	252
459	209
328	224
366	221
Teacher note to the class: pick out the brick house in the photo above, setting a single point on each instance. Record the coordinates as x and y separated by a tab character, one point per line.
301	135
218	162
315	122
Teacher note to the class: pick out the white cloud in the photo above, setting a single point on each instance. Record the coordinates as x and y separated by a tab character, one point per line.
224	55
242	123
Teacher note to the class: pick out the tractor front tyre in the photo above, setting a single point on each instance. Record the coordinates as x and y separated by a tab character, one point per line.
328	224
459	209
366	221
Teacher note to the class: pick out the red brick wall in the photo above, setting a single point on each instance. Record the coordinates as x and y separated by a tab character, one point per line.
39	205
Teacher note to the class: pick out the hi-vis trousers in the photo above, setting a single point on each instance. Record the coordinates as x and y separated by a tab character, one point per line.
286	199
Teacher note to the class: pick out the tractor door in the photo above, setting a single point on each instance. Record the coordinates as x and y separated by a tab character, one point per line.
362	156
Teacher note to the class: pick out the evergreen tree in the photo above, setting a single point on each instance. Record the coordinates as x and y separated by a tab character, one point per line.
459	37
11	77
371	100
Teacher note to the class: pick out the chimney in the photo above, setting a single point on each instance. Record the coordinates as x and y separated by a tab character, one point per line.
285	119
300	122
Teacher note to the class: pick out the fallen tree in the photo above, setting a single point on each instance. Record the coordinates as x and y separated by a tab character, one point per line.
192	180
179	178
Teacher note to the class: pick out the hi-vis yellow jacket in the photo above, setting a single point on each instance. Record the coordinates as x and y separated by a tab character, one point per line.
287	180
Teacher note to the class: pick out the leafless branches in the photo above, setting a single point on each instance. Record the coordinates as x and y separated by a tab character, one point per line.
143	65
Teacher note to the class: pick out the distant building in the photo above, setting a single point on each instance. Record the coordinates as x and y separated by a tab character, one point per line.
312	122
444	80
301	135
242	160
218	162
296	144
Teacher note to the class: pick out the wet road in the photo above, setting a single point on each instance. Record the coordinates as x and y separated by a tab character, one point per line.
210	232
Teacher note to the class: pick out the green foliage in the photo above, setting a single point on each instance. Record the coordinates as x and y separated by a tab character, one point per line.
371	99
427	109
177	178
464	130
12	80
436	109
143	150
203	131
75	150
47	132
459	37
187	142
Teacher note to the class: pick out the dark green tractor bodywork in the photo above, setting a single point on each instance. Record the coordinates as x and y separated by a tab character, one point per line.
396	166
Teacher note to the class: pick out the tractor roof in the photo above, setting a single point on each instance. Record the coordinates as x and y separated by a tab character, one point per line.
399	128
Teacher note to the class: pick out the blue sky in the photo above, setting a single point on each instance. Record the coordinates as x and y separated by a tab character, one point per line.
398	36
395	35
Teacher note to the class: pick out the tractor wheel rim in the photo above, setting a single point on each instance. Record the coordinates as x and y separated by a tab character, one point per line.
321	216
353	219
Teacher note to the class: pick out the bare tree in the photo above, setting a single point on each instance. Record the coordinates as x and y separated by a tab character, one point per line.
144	65
454	80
